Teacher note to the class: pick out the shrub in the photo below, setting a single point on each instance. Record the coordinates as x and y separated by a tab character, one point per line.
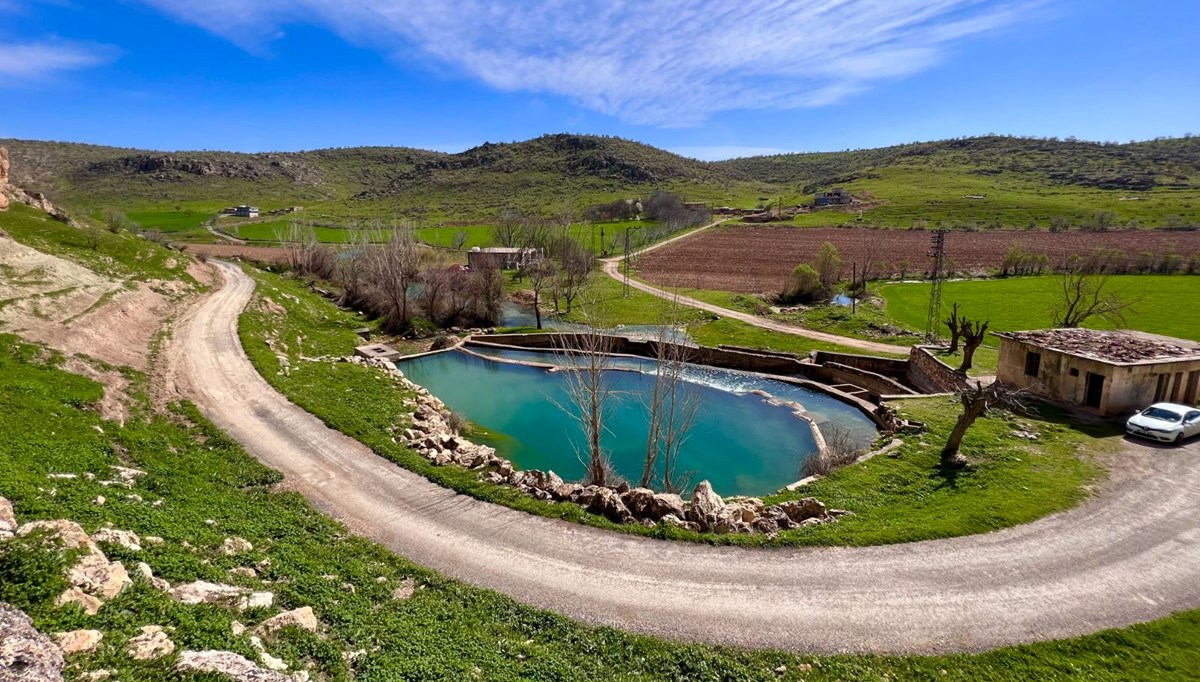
804	285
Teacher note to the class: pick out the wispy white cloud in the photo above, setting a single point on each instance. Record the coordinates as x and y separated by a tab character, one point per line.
667	62
24	62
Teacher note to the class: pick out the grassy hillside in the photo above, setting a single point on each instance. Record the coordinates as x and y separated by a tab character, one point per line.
991	180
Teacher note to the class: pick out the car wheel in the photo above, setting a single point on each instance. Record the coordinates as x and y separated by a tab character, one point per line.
1178	439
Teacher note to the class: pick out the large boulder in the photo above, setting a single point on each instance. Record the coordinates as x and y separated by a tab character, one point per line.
74	595
607	502
708	509
803	509
98	576
639	501
26	655
667	503
227	663
302	618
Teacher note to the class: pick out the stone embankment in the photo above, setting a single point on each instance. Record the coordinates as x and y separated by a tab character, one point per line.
432	435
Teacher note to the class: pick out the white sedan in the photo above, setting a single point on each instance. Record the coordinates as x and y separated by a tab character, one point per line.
1165	422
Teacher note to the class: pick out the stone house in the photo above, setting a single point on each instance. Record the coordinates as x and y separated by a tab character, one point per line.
502	257
834	197
1105	372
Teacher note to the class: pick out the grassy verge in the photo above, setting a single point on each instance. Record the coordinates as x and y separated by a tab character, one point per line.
1012	482
1025	302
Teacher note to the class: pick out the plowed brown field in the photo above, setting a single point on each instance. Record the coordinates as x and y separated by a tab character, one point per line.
758	259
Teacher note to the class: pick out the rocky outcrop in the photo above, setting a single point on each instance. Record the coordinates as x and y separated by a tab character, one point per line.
3	178
127	539
26	655
235	666
98	576
203	592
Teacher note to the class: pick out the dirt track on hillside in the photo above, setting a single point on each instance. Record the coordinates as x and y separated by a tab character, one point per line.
1131	555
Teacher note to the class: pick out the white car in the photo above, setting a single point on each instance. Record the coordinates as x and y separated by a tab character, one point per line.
1166	422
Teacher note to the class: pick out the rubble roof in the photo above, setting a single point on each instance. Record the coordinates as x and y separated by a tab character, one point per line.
1121	346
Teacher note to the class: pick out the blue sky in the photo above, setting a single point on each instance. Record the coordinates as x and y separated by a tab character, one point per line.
707	78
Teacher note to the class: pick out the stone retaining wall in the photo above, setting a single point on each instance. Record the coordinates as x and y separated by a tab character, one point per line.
931	375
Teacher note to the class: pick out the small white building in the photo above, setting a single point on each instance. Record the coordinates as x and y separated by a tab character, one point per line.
244	211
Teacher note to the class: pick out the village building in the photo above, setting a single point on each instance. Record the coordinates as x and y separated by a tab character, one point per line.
1106	372
834	197
244	211
502	257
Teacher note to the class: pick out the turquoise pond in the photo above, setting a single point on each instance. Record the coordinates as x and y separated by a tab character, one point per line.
741	442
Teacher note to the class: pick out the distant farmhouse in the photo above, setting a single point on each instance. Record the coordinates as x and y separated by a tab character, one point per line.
1106	372
834	197
504	258
242	211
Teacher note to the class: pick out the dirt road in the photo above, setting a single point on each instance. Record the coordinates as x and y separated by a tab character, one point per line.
1131	555
612	266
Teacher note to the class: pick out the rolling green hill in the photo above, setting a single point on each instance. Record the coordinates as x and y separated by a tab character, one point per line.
986	181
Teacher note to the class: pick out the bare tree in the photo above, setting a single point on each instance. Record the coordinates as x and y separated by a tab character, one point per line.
576	265
542	275
396	266
671	405
460	240
508	227
304	253
954	324
1081	295
976	401
586	360
973	334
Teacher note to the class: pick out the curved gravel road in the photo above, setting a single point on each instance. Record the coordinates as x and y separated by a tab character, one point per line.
1131	555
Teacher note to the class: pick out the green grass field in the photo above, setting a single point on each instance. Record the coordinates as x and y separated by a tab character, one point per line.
1165	303
169	221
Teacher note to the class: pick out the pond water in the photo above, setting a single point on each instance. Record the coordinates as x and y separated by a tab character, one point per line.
517	315
740	442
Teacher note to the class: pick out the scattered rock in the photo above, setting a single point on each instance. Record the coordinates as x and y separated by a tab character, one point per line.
26	655
69	533
151	643
127	539
96	675
227	663
98	576
405	590
148	574
244	572
78	641
302	618
99	501
803	509
74	595
202	592
272	663
257	600
708	509
8	521
235	545
237	628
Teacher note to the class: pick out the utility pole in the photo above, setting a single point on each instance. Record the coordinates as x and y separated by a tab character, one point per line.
853	289
937	253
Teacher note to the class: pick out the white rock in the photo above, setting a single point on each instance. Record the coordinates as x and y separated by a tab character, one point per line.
227	663
235	545
257	600
125	538
151	643
95	574
74	595
78	641
302	618
272	663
